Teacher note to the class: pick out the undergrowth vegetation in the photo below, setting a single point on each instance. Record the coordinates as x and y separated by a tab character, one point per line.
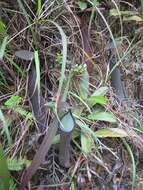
71	94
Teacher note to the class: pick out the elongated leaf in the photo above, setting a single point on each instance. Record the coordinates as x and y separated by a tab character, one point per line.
97	100
86	143
23	112
5	128
12	185
141	2
133	18
4	173
39	7
87	129
102	91
28	19
84	84
64	57
111	132
67	122
3	47
13	101
102	116
17	164
115	12
37	66
132	160
2	27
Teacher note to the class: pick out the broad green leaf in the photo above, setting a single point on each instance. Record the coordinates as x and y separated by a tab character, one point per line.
133	18
13	101
67	122
17	164
84	84
102	91
87	143
82	5
4	173
102	116
97	100
111	132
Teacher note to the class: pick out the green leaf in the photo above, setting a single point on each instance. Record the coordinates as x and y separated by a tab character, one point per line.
37	65
131	155
111	132
3	47
5	127
2	31
133	18
115	12
2	27
97	100
82	5
64	58
102	91
12	185
13	101
23	112
17	164
4	173
102	116
87	129
39	7
87	143
56	139
84	84
67	122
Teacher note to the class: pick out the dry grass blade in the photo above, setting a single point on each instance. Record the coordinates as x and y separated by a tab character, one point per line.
4	173
86	45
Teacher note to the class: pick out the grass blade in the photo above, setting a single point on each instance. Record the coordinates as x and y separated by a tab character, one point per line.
132	160
39	8
28	21
5	128
64	58
37	65
4	173
3	47
141	8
